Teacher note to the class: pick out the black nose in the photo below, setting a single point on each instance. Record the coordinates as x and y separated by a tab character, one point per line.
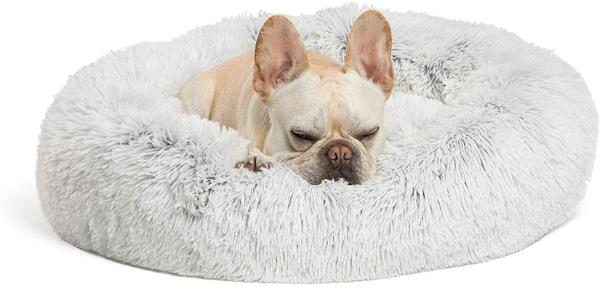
339	155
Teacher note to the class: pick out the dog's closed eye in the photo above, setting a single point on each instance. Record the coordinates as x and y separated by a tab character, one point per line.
303	135
369	134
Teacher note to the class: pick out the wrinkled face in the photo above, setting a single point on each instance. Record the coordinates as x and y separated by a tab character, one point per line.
325	117
327	126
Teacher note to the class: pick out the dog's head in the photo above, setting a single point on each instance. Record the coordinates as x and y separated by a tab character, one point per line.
326	118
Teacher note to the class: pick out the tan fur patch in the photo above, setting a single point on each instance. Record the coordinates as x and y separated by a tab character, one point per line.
323	66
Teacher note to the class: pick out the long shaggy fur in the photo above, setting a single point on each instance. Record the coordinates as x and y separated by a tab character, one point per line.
490	143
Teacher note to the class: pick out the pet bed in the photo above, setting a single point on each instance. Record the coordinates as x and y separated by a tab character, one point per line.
490	143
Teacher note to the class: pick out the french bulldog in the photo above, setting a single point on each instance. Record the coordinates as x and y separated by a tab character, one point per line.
320	118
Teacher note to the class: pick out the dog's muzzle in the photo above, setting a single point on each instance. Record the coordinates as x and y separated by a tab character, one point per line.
341	161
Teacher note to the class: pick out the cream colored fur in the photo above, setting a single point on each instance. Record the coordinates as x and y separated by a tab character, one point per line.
280	87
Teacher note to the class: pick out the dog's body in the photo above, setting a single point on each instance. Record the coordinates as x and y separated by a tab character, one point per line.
320	118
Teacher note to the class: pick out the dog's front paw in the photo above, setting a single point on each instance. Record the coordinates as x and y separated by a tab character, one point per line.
256	161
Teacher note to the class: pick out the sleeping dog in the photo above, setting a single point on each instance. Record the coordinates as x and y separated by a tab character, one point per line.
320	118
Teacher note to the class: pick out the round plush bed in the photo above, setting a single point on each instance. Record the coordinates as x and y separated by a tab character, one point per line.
490	143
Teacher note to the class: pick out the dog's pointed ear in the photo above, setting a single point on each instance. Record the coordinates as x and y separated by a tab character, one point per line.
369	50
279	55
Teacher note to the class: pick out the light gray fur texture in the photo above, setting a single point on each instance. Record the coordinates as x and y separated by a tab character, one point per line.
490	143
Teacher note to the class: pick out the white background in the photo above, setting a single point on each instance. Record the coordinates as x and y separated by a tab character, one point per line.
41	44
